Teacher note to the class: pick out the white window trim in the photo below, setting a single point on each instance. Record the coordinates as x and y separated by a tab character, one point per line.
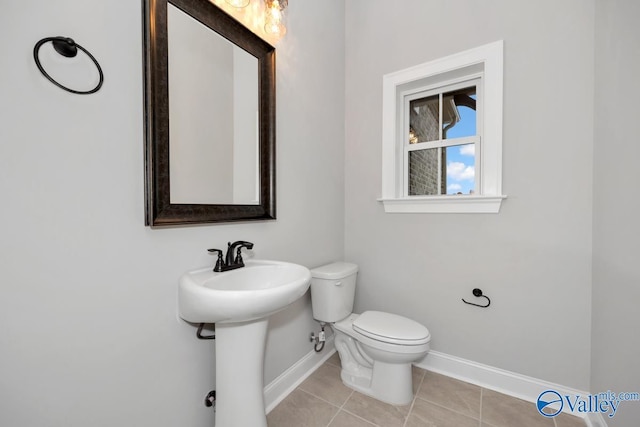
490	196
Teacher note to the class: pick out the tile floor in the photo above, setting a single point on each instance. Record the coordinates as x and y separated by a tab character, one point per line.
323	401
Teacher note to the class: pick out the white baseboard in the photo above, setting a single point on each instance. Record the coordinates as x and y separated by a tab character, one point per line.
510	383
595	420
287	381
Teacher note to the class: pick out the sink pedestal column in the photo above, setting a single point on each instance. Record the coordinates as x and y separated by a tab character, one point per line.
239	374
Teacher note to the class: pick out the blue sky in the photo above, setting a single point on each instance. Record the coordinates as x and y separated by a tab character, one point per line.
461	158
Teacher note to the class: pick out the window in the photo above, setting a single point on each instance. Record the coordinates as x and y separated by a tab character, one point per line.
442	134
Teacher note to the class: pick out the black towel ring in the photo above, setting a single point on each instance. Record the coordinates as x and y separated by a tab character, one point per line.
66	47
478	293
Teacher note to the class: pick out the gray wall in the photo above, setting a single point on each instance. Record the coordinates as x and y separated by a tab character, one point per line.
534	257
89	331
616	230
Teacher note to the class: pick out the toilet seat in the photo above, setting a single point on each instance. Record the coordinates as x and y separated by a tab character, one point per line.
391	328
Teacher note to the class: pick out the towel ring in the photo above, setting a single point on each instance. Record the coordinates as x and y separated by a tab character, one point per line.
68	48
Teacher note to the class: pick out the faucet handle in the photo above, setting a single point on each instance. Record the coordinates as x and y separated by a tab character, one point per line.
238	259
219	261
241	244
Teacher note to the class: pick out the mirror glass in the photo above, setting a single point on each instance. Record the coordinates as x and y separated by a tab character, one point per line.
209	116
213	115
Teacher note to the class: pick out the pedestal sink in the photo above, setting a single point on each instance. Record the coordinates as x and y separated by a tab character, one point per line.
239	302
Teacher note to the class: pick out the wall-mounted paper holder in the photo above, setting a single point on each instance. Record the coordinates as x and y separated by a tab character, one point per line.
477	292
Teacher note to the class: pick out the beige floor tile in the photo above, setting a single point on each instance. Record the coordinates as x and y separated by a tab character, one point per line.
500	410
334	360
301	409
326	383
416	375
440	402
427	414
376	411
451	393
566	420
344	419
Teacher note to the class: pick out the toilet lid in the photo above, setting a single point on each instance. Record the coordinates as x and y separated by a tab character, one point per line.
335	270
391	328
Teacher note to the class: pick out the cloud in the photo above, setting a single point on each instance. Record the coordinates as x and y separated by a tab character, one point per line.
468	150
453	188
459	171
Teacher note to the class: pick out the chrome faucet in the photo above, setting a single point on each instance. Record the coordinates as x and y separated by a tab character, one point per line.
229	262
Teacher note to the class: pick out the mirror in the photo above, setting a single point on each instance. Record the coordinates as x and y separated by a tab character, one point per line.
209	116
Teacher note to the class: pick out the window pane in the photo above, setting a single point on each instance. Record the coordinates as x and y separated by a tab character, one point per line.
459	113
425	172
448	170
423	120
461	173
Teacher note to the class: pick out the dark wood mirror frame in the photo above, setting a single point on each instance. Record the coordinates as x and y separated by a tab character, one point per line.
159	210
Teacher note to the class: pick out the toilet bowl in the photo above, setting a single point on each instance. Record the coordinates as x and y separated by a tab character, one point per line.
376	349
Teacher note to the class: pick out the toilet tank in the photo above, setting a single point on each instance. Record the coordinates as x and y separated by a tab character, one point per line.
333	287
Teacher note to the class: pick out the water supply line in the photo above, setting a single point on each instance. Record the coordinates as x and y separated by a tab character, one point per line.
205	337
319	340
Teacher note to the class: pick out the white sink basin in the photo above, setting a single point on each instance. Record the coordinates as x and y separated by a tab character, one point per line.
239	303
255	291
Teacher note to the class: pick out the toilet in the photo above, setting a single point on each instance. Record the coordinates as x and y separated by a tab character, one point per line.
376	349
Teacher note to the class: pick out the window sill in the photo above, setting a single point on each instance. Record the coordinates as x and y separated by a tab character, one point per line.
443	204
